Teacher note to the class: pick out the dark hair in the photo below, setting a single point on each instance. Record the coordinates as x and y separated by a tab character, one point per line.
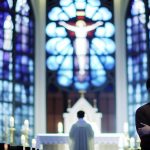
148	84
80	114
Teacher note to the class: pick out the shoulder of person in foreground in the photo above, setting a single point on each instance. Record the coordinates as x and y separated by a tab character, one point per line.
142	108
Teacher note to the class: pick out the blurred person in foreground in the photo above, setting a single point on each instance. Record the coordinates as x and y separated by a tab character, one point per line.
143	122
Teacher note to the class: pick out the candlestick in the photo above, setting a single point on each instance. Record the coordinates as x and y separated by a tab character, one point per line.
132	143
12	129
26	131
23	141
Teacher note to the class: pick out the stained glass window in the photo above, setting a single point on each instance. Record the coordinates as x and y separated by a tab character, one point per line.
80	44
137	58
16	64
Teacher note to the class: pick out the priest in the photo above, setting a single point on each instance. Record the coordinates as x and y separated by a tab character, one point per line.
81	135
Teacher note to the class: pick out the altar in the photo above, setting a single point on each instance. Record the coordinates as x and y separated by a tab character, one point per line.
60	141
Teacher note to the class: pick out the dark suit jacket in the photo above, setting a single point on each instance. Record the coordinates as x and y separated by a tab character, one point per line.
143	115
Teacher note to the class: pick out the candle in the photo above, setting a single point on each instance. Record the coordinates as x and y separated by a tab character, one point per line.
60	127
33	143
125	127
26	124
23	140
11	122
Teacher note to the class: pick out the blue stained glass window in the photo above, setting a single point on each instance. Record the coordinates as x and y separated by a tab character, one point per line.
137	56
6	83
80	43
16	65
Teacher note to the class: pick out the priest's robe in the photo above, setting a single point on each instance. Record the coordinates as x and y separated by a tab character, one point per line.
81	136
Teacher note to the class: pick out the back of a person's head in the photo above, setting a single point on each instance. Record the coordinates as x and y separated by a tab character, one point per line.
148	84
80	114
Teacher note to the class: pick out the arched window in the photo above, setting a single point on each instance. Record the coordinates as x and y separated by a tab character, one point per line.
16	64
137	57
6	69
80	44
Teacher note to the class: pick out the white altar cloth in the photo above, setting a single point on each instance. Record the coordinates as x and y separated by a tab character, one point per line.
102	139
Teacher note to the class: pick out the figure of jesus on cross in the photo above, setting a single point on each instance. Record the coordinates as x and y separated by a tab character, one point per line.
81	44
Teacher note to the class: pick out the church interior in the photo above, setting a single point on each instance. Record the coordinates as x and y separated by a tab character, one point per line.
61	56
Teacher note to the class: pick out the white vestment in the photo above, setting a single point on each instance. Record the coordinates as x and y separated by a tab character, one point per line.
81	136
